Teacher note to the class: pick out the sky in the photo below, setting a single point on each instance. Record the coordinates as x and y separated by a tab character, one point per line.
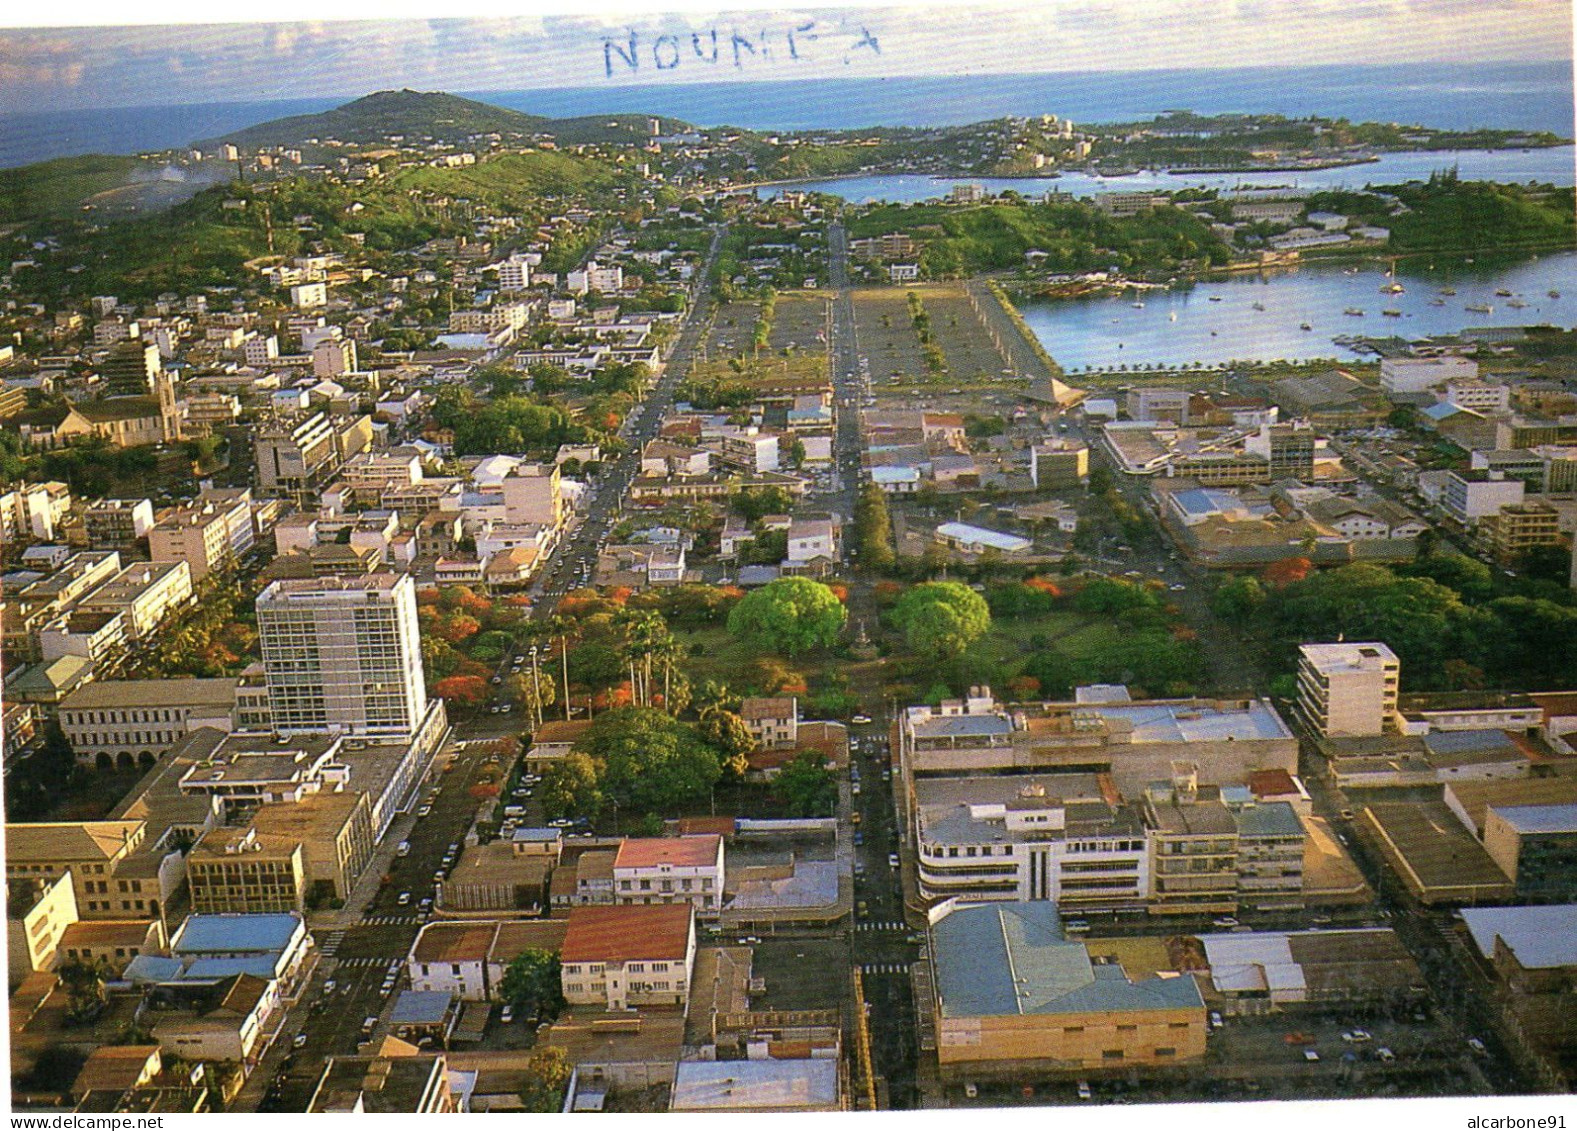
342	52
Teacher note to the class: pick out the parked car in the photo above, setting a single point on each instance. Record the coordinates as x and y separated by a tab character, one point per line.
892	860
507	1015
404	848
1311	1055
1385	1054
1477	1046
1357	1037
1297	1038
1215	1020
301	1039
861	720
424	811
1225	922
1084	1090
405	898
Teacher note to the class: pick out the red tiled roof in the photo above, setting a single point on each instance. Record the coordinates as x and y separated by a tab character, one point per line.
677	851
624	934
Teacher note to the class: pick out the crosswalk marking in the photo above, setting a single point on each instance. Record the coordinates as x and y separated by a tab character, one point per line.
393	921
884	926
331	943
370	960
885	968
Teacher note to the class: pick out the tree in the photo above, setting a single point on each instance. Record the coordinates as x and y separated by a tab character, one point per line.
727	733
531	984
546	1076
1238	599
572	787
84	981
942	618
806	786
649	760
791	615
467	690
873	530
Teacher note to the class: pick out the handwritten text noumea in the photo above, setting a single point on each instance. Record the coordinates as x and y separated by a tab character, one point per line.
717	47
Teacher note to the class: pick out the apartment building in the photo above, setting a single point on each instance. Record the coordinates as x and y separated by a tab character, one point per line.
297	457
621	958
1347	690
1057	837
124	722
343	654
38	912
116	871
533	494
1193	853
773	722
1159	403
657	870
1514	530
514	273
209	536
1058	465
115	524
239	871
145	592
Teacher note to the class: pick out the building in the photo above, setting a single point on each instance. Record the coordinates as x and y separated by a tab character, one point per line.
240	872
1058	465
1420	374
297	456
514	274
1158	403
116	524
117	870
1253	973
307	296
1030	837
1514	530
1347	690
208	536
38	912
1287	450
532	494
334	357
126	722
748	1086
343	654
621	958
773	722
335	832
1014	999
1135	742
1473	495
404	1082
1530	953
1488	397
131	368
684	869
967	539
1536	846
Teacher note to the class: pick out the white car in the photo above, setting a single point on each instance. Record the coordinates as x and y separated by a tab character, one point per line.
301	1039
861	720
405	899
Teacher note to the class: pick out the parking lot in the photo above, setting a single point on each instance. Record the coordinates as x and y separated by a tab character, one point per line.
799	322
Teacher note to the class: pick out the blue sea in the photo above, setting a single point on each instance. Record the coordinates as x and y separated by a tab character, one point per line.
1522	96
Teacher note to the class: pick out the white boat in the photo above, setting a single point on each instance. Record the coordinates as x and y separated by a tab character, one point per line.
1138	306
1354	311
1480	308
1172	317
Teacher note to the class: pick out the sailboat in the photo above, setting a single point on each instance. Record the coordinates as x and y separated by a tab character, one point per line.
1172	317
1392	287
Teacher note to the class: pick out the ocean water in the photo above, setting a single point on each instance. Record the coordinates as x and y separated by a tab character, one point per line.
1523	96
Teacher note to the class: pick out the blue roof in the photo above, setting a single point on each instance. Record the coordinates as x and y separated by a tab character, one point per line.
999	959
1465	741
235	934
218	969
1541	937
1539	818
1440	410
421	1007
152	968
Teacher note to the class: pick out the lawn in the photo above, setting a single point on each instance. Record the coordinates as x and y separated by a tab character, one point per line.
1075	635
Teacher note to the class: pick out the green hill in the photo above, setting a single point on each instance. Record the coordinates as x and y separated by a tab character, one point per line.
435	116
58	187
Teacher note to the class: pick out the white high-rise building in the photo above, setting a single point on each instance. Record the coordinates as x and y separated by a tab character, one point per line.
1347	690
514	274
343	655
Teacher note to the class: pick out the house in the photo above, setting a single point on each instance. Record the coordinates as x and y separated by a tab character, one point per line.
772	721
656	870
621	958
223	1021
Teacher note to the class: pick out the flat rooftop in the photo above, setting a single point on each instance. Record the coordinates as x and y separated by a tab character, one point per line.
1543	937
1193	722
755	1085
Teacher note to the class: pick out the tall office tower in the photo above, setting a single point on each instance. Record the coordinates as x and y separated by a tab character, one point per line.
343	655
